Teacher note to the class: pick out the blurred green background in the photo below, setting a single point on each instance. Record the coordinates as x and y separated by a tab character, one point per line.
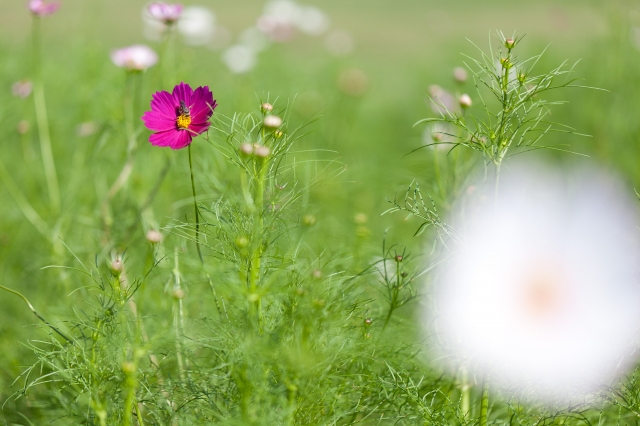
401	46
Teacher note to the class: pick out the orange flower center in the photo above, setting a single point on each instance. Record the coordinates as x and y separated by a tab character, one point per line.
183	121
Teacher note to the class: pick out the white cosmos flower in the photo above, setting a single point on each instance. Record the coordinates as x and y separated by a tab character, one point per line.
239	58
197	25
134	58
542	296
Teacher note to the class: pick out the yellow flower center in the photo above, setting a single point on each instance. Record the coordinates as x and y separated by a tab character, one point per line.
183	121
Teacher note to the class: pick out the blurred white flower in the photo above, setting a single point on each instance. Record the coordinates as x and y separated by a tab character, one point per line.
542	296
278	20
312	21
460	74
339	43
254	39
197	25
134	58
441	101
239	58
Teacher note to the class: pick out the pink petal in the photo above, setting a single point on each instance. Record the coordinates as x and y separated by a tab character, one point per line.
163	138
202	105
197	129
165	104
158	122
184	139
183	92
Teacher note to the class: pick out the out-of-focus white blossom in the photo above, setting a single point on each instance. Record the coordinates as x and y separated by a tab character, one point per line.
441	101
542	296
134	58
22	88
164	12
239	58
197	25
254	39
311	20
339	43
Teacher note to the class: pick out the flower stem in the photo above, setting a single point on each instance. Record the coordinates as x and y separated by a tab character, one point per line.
195	206
258	226
43	122
178	314
484	402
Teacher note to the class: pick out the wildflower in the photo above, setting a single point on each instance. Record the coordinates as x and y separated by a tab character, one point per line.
278	20
43	8
165	13
116	266
509	43
266	107
154	236
197	25
22	88
272	122
134	58
542	295
368	321
178	117
465	101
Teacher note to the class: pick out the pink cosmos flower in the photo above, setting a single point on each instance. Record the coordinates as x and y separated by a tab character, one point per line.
179	116
167	13
134	58
42	8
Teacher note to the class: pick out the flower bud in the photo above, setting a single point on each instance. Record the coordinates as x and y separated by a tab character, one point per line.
360	218
23	127
465	101
278	134
116	266
522	77
272	122
178	294
246	149
368	321
460	74
262	151
128	367
317	274
253	297
154	236
266	107
398	258
242	242
309	220
506	63
509	43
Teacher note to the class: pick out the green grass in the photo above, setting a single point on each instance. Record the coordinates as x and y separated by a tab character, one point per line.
312	359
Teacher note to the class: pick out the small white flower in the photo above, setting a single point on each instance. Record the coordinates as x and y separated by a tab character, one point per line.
542	296
197	25
272	121
312	21
441	101
239	58
134	58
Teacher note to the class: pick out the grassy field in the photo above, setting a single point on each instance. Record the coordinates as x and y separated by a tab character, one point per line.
309	356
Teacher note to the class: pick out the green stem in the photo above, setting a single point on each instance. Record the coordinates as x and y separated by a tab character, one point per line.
40	317
43	122
465	390
178	314
484	403
258	226
195	207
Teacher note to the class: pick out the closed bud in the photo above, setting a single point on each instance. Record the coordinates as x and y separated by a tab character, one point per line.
242	242
128	367
154	236
116	266
460	74
272	122
309	220
368	321
509	43
246	149
178	294
266	107
278	134
522	77
465	101
317	274
506	63
398	258
262	151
